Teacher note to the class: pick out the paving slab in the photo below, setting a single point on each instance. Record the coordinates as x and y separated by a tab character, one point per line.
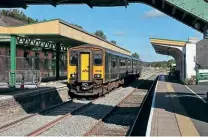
171	116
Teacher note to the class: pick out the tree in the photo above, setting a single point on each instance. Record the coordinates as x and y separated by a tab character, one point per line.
113	41
170	62
163	64
136	55
101	34
17	14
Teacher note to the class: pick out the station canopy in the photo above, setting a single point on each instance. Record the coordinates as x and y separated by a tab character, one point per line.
57	31
169	47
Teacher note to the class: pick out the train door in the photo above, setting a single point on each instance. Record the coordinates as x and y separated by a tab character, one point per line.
110	68
114	67
85	66
118	67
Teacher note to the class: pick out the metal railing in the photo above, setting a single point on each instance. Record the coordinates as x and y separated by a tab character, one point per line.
46	66
27	77
201	75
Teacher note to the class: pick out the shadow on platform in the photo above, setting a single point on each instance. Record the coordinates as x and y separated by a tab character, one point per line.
194	107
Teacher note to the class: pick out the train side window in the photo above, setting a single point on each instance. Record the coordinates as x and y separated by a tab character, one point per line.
122	63
113	61
74	58
134	63
138	63
98	58
129	63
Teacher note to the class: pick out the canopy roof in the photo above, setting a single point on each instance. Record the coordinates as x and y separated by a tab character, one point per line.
172	48
190	12
159	41
58	31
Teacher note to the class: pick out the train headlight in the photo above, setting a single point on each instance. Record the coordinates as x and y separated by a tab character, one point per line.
97	76
73	75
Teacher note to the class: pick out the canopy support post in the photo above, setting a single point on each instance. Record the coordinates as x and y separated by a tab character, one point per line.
57	61
13	61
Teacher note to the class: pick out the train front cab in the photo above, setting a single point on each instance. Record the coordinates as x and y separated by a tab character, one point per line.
85	70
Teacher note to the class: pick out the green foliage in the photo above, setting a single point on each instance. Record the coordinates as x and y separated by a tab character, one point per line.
113	41
101	34
136	55
190	81
172	61
164	64
17	14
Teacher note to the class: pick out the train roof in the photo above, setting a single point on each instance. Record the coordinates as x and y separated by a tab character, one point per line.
136	58
107	50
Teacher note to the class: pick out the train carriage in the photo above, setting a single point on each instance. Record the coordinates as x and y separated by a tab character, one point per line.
94	70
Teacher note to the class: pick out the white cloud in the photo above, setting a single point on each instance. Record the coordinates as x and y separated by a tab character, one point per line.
153	14
119	33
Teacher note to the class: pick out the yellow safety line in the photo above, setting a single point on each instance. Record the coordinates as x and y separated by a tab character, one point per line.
185	124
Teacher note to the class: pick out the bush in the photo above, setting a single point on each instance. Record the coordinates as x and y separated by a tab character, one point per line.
190	81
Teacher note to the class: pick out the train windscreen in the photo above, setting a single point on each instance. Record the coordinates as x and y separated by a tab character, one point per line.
73	58
98	58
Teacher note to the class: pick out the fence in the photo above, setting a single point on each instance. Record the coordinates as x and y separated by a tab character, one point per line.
47	67
202	75
27	77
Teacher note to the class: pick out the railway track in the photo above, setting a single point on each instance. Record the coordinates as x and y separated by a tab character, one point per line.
52	123
8	125
119	121
139	126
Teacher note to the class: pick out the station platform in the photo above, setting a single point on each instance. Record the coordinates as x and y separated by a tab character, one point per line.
17	102
178	110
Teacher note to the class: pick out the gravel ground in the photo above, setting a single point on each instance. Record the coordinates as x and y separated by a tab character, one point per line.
79	123
86	118
33	123
122	118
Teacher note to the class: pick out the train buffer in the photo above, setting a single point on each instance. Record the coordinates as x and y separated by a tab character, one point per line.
178	110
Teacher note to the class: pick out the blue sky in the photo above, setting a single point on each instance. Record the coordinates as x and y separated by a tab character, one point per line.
130	27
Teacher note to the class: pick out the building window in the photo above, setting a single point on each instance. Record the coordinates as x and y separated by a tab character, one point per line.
37	61
46	61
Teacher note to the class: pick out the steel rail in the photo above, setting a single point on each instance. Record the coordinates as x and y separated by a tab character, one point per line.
101	119
10	124
142	105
